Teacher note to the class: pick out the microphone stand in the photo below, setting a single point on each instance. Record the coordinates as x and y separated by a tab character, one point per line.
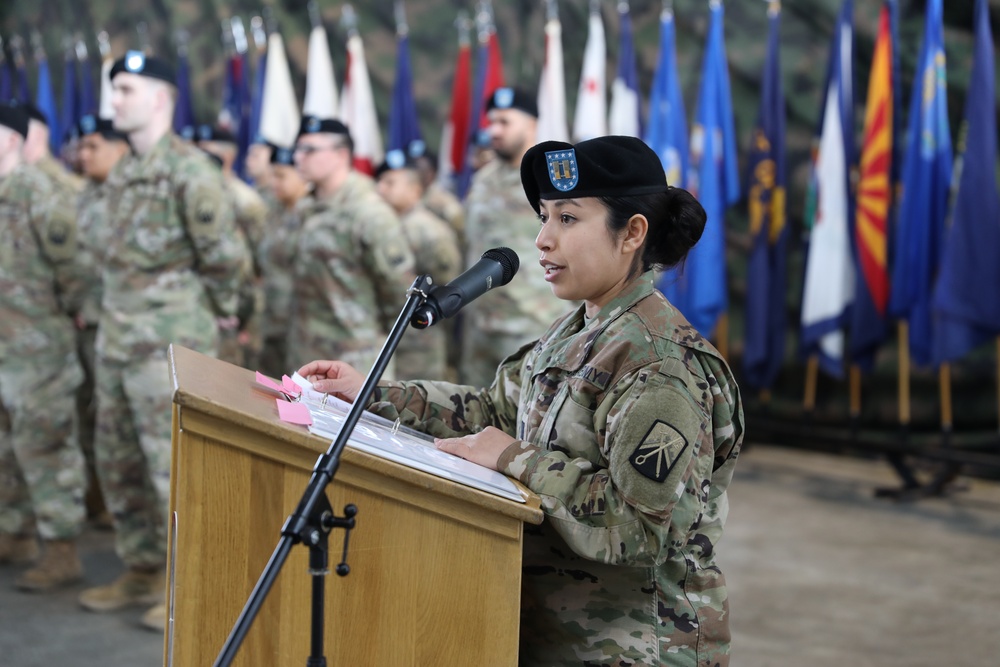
313	519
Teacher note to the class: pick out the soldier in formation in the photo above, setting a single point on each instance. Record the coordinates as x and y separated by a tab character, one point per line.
276	258
497	215
173	267
421	353
41	467
100	146
353	265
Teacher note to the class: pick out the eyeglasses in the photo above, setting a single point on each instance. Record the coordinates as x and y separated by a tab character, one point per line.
308	149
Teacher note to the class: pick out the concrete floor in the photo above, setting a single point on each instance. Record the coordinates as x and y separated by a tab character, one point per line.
820	574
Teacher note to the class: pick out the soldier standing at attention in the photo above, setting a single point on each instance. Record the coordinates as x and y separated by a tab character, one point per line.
36	151
240	342
438	200
421	353
353	265
497	215
41	468
276	257
100	147
621	417
172	268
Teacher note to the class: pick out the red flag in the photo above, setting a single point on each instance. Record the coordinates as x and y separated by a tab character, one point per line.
494	75
457	128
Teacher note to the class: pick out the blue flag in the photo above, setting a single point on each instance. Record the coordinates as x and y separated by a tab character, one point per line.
86	99
464	179
698	288
667	132
625	115
926	183
5	85
403	125
764	350
70	113
966	303
46	103
184	121
243	136
23	90
828	284
257	100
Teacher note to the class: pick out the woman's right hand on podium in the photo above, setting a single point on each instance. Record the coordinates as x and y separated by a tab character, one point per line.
333	377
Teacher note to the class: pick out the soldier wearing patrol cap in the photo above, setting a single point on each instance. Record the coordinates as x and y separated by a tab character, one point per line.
497	215
421	353
100	147
41	467
276	257
621	416
353	265
240	335
172	267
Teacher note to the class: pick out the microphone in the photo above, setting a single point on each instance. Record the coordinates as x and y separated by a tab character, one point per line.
496	268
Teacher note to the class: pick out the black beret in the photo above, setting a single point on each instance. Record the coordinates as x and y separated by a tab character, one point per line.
282	155
91	124
314	125
395	159
15	118
213	158
34	113
216	133
602	167
513	98
137	62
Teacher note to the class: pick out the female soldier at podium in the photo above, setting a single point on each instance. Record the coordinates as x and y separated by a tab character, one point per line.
622	418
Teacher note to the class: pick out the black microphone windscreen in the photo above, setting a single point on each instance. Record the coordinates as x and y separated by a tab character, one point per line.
507	259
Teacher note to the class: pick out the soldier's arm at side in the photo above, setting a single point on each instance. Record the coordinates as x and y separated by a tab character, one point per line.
389	260
54	217
210	222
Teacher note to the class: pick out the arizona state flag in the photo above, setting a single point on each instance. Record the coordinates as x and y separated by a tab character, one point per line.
869	325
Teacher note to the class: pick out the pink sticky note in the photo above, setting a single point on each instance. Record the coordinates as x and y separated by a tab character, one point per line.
289	386
293	413
268	382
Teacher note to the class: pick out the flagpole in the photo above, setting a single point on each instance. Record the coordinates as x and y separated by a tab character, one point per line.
722	335
903	387
998	383
855	400
812	375
944	389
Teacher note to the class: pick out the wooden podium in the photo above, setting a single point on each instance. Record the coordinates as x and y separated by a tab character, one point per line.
435	566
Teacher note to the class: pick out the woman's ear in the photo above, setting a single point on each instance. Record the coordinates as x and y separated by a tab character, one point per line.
635	233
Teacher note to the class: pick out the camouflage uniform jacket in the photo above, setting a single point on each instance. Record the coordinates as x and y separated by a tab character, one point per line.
629	426
422	353
276	258
497	214
94	234
446	206
40	282
353	268
175	259
62	177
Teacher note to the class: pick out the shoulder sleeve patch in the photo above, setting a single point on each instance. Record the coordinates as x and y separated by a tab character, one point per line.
659	451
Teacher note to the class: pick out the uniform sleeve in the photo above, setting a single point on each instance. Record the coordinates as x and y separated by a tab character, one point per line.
646	502
54	218
209	219
388	258
446	410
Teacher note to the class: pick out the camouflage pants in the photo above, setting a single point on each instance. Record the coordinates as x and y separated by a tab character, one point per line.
482	352
134	412
41	467
273	356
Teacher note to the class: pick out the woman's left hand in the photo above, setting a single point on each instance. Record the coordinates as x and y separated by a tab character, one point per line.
483	448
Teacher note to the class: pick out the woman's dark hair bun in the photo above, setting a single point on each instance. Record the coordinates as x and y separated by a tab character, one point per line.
669	242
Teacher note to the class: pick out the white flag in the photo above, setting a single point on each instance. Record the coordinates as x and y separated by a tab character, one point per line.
279	112
591	101
105	110
321	85
552	88
358	109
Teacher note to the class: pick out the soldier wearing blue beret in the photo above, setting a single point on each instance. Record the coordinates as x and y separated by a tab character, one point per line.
621	417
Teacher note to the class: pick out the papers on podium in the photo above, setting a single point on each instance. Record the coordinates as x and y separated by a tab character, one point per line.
381	437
